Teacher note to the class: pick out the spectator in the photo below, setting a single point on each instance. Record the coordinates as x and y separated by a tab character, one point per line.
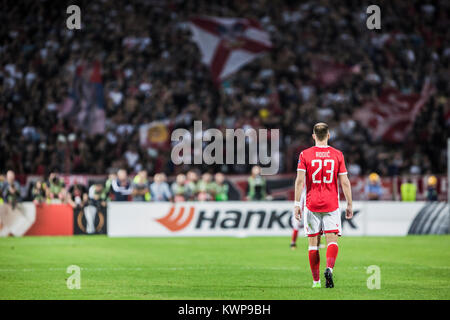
142	82
2	187
205	188
159	189
140	187
98	194
220	187
179	189
108	185
121	186
257	188
38	193
191	185
432	194
55	188
11	190
77	196
374	190
408	190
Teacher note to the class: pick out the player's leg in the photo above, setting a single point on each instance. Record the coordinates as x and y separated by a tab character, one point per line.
294	238
313	224
314	259
332	228
295	227
332	249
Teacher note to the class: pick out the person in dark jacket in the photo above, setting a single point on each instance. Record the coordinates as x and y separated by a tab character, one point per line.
122	187
432	194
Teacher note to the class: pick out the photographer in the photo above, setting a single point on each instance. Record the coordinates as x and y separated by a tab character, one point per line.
2	186
179	189
14	218
257	188
77	195
98	195
38	193
159	189
55	188
220	187
121	186
140	187
11	190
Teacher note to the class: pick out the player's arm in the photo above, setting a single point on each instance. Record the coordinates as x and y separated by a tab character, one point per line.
299	185
347	189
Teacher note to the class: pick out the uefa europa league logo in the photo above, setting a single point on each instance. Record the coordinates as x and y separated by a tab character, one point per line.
90	213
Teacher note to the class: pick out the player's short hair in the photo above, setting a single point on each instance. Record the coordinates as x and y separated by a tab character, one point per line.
321	130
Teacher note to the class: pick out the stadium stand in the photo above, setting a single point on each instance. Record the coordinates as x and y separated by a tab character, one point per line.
73	101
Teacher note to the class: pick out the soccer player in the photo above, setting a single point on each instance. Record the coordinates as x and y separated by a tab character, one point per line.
319	168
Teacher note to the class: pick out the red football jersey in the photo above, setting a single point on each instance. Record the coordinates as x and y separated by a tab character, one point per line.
322	166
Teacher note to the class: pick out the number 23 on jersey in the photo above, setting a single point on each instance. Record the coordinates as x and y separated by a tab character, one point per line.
327	173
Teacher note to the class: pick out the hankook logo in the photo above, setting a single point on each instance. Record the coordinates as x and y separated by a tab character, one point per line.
176	223
178	218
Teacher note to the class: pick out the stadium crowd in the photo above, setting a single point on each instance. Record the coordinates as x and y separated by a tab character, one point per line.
120	187
192	186
151	70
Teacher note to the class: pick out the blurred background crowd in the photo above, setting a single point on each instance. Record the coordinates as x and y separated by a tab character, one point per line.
148	69
192	186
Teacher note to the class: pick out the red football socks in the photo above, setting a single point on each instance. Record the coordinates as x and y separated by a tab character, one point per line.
294	235
314	262
332	251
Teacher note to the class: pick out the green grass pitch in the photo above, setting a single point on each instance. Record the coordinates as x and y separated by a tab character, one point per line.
412	267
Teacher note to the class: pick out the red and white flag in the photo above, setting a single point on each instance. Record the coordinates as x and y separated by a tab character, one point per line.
391	116
328	72
227	44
